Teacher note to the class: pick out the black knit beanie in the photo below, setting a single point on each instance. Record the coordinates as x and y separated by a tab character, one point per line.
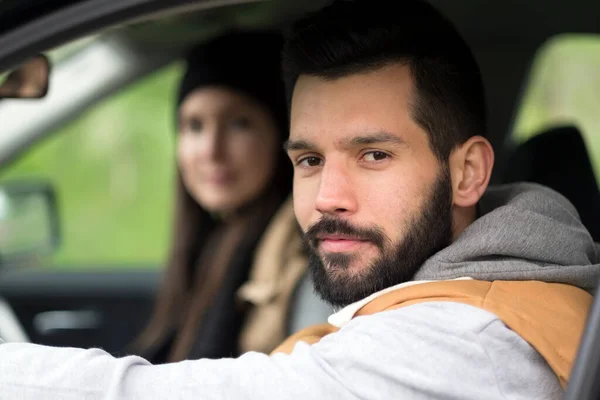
249	62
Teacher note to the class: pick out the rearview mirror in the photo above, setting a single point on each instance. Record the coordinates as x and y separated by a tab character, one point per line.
28	81
28	221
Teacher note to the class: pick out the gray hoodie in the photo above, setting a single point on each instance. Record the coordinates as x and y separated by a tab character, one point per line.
525	232
426	351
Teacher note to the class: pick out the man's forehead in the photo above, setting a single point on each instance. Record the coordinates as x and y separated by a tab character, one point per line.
356	105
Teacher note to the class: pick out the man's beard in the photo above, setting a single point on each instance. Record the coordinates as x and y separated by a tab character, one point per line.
426	234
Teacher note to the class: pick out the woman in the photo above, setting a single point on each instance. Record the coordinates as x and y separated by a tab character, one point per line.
233	176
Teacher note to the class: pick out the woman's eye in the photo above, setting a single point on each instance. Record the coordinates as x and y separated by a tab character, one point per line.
375	156
309	162
194	125
241	123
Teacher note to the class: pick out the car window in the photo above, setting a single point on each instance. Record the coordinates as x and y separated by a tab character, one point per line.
112	171
564	88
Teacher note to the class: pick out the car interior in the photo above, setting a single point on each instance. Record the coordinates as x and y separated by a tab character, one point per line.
539	160
99	50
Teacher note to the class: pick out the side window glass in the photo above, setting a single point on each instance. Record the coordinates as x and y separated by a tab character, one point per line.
564	88
112	170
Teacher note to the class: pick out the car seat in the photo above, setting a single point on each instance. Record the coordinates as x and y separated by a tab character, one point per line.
558	158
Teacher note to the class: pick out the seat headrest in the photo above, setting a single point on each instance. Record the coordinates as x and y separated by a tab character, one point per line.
558	158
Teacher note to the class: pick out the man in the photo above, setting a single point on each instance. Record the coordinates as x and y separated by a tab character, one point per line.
390	188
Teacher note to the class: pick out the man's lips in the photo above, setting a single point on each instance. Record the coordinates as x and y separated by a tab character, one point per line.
339	243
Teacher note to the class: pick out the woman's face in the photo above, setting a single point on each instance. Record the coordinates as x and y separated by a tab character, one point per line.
227	148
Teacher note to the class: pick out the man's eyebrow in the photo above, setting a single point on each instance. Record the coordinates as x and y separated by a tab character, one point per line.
291	145
374	138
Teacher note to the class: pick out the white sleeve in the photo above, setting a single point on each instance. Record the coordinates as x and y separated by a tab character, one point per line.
425	351
31	372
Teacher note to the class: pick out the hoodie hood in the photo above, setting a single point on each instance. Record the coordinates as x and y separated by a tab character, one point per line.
524	232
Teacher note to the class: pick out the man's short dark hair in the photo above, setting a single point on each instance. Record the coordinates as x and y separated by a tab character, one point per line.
351	37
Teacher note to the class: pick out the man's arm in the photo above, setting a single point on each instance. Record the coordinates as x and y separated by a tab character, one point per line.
34	372
425	351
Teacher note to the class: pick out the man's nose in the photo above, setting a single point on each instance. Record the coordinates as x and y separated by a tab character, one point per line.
336	194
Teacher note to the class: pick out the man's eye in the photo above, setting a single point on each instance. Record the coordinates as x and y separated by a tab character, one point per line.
375	156
309	162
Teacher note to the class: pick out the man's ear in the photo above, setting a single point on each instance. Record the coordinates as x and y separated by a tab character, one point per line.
471	168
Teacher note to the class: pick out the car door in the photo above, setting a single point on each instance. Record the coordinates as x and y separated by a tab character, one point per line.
584	383
81	308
